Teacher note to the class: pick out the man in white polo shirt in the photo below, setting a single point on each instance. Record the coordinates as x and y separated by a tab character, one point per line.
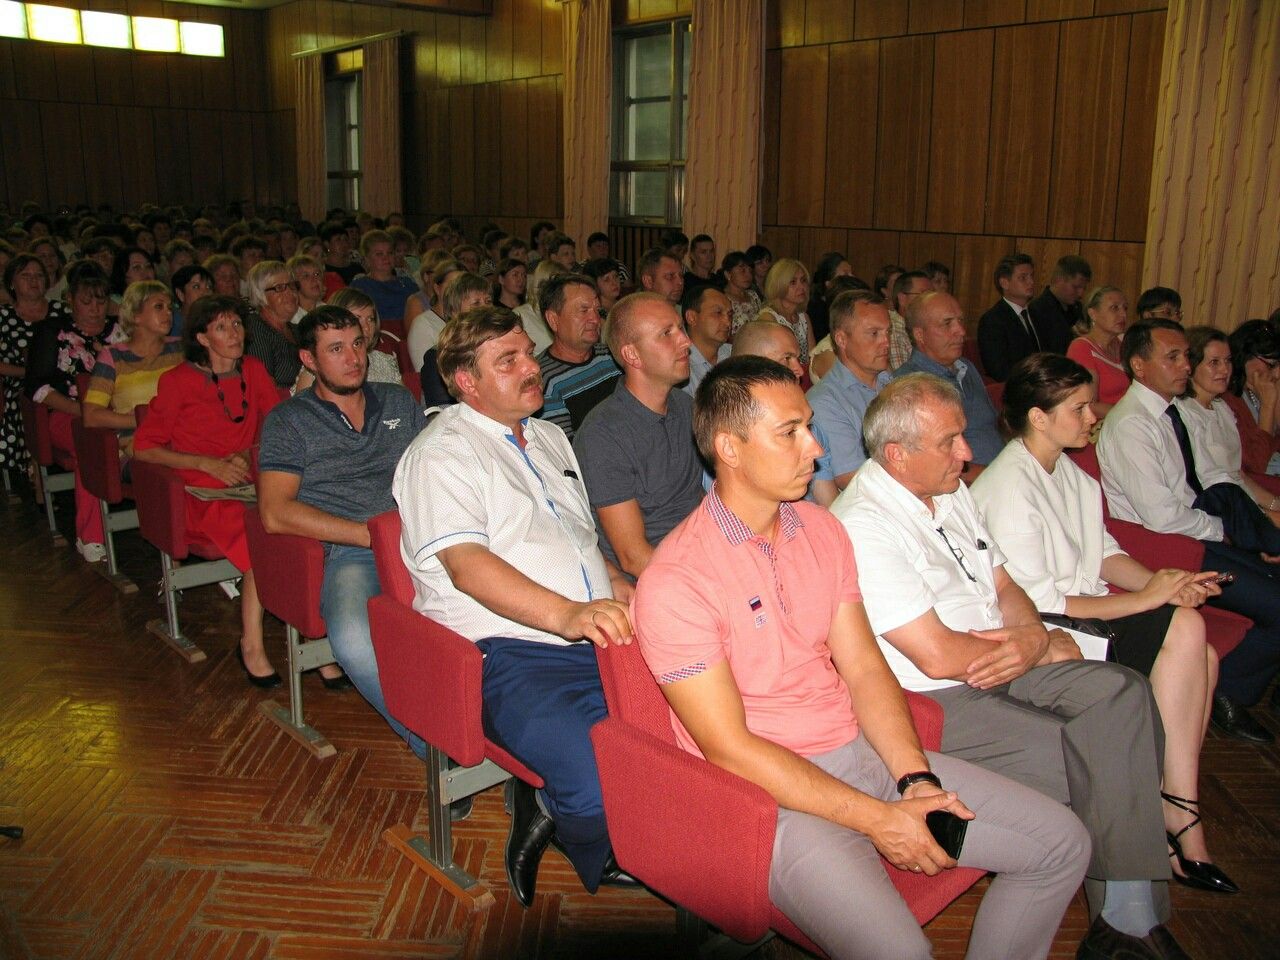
501	544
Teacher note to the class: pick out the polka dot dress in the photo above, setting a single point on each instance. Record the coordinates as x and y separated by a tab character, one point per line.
15	337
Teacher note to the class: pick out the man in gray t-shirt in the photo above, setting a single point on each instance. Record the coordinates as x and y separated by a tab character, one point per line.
325	466
636	449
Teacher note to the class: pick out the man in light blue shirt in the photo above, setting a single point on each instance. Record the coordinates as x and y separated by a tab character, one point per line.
707	318
860	337
936	324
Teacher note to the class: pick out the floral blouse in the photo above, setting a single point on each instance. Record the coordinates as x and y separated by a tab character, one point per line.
59	353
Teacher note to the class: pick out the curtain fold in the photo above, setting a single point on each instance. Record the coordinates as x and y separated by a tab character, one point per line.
309	122
1215	177
726	93
380	184
588	86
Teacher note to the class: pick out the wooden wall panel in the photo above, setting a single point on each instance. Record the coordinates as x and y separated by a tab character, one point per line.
111	142
933	16
544	147
828	21
1120	265
64	157
1038	10
961	112
24	152
902	165
1090	104
513	114
1022	129
790	14
869	250
1146	40
802	135
1046	251
976	257
916	249
813	242
772	121
853	92
993	13
879	18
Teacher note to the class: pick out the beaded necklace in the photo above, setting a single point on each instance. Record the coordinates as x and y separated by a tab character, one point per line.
244	396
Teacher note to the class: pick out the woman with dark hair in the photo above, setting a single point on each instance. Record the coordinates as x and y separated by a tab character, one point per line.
25	281
1254	395
604	271
739	287
760	259
130	265
831	265
1045	514
204	422
510	281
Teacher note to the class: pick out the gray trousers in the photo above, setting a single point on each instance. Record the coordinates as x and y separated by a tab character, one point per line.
1084	733
831	882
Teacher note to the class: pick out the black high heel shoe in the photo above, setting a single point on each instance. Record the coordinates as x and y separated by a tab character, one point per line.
1199	874
271	680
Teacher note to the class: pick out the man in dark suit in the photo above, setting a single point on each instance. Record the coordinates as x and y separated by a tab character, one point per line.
1007	332
1057	309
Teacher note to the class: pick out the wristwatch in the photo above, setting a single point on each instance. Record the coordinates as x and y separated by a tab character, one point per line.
919	776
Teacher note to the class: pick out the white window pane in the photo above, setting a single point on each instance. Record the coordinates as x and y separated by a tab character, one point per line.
646	193
649	66
648	131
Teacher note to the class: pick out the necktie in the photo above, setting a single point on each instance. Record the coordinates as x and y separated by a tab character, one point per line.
1026	322
1184	444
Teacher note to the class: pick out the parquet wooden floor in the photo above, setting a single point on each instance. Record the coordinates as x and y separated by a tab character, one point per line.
166	818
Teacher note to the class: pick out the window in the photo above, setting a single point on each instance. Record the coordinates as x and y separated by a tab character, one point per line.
651	108
342	140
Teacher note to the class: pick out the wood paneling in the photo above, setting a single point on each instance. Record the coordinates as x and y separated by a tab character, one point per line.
828	21
879	18
933	16
869	250
902	150
915	249
802	142
976	258
993	13
1117	264
854	77
1089	112
961	112
1058	9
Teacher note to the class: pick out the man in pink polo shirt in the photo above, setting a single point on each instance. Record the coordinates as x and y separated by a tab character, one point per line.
750	617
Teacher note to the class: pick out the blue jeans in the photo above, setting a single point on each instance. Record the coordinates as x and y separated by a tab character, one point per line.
350	579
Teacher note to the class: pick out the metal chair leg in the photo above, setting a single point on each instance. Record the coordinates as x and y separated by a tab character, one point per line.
110	523
169	630
303	656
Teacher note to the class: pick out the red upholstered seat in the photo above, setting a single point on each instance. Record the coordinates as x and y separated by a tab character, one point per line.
668	823
289	573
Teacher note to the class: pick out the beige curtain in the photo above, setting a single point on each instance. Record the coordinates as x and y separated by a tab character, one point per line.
588	82
1215	180
309	121
722	176
380	191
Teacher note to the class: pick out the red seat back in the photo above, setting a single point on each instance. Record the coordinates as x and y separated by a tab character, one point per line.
35	430
289	574
971	353
384	540
160	495
407	373
631	692
98	460
995	391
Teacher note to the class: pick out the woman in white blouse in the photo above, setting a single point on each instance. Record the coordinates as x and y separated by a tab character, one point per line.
1046	515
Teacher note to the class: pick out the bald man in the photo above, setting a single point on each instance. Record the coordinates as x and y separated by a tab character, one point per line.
636	449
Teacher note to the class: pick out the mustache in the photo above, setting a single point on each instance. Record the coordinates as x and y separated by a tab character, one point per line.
533	380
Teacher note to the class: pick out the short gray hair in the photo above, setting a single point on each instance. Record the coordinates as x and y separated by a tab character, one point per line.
260	278
894	415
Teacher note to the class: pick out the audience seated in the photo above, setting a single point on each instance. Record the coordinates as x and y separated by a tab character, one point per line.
50	255
530	312
380	366
1017	698
751	619
739	287
249	251
639	464
308	281
204	422
464	292
1046	516
1254	394
661	273
62	348
860	332
903	289
831	265
786	294
25	282
577	370
515	249
189	284
702	263
327	459
760	259
885	279
131	264
1009	331
423	329
707	318
1159	303
1149	477
490	561
339	269
1098	349
226	274
598	248
936	324
268	326
823	357
511	278
1056	312
604	271
389	290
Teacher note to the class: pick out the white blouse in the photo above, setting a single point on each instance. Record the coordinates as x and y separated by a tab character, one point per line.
1048	525
1215	440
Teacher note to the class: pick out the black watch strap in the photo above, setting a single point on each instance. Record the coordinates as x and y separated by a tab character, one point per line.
919	776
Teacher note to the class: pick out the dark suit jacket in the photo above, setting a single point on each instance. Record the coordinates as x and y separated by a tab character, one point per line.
1003	340
1055	320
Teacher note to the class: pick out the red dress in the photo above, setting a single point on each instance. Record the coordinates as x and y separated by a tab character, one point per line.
1109	375
186	416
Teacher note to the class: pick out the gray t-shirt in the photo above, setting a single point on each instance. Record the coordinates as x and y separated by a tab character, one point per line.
628	452
344	472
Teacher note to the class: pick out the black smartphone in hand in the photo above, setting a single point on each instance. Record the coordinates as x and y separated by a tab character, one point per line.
948	830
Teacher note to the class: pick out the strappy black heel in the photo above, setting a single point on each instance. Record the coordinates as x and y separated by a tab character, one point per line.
1199	874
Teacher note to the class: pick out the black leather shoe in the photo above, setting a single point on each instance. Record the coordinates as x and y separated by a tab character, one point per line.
1166	948
615	876
531	832
1200	874
1236	722
340	682
1105	942
460	809
272	679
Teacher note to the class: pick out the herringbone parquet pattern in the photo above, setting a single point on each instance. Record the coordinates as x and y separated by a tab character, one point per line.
166	818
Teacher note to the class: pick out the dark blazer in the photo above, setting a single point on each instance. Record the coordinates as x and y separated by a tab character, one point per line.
1003	340
1057	321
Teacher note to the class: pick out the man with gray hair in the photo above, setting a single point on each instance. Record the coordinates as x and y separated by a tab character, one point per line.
1017	698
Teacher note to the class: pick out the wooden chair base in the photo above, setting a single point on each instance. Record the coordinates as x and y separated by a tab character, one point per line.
183	647
310	738
118	580
470	892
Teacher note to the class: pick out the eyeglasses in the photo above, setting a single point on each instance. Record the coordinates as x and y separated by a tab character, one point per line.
279	287
957	554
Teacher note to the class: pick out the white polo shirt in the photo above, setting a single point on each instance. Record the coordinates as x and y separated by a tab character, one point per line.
466	480
906	568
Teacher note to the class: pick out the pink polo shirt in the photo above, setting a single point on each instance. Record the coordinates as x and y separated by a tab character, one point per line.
715	591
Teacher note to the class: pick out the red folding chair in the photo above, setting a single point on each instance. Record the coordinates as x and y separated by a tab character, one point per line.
35	430
971	353
160	494
289	574
98	461
431	683
669	826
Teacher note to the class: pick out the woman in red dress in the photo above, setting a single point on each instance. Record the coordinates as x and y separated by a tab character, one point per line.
204	423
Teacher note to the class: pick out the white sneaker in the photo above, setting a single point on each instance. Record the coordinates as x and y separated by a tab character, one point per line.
92	552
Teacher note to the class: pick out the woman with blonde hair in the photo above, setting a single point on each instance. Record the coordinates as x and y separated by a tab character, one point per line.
786	293
1098	349
530	312
425	328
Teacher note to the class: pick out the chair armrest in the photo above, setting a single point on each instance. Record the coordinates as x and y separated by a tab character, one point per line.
1223	630
697	834
288	571
1157	550
98	460
160	495
430	679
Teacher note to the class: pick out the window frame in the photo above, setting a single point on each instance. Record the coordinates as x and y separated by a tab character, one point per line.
350	174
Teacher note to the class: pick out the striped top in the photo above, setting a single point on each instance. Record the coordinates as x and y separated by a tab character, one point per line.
121	380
